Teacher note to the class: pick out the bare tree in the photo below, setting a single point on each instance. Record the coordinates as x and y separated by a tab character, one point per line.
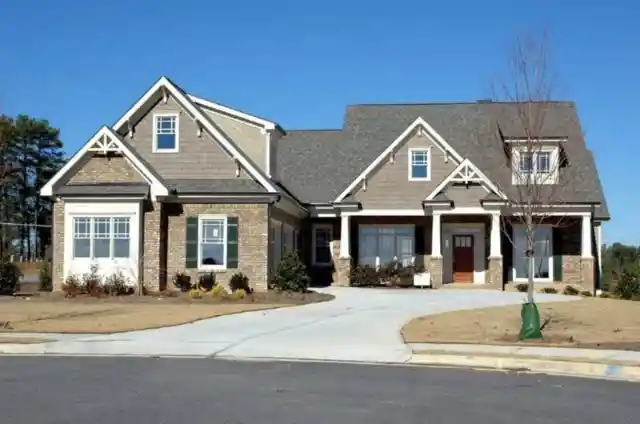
537	161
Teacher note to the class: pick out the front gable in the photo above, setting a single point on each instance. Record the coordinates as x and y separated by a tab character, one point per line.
105	158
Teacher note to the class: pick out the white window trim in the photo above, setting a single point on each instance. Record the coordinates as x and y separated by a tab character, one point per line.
515	252
218	267
91	238
155	133
420	149
551	177
315	228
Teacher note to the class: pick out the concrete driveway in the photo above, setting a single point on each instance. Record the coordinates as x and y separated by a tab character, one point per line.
359	325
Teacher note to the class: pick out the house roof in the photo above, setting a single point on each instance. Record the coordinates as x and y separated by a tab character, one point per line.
318	165
217	186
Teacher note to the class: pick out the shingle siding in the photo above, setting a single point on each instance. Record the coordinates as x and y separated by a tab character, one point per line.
389	187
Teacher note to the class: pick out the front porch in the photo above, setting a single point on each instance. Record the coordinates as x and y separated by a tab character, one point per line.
485	249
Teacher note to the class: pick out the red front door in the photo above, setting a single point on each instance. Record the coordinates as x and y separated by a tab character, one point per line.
463	258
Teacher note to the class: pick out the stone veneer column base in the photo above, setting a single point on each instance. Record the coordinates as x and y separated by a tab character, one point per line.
435	268
587	273
341	272
494	273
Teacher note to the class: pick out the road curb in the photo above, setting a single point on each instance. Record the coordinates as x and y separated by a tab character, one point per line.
618	371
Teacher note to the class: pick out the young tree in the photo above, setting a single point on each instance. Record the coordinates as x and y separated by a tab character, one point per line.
537	169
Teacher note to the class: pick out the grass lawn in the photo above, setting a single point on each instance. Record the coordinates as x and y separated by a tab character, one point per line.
51	313
586	323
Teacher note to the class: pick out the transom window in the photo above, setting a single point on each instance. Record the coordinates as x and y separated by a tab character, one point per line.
380	245
101	237
322	238
166	132
212	242
419	166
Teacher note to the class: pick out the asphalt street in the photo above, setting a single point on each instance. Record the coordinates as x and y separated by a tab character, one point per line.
75	390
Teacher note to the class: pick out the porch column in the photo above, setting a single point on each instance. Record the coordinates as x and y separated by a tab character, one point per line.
586	237
496	239
345	231
436	251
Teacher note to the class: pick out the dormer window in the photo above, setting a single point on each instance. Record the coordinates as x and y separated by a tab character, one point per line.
165	132
540	164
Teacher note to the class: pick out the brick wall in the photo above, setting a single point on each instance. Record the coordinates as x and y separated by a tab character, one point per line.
253	236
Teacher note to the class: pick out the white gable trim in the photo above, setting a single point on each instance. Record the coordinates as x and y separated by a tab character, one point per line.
164	84
466	172
259	122
105	141
417	124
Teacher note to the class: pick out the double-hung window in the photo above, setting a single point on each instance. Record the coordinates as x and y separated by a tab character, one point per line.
419	164
538	164
380	245
101	237
212	242
165	132
322	239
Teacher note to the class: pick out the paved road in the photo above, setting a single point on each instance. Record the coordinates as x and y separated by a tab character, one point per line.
155	391
359	325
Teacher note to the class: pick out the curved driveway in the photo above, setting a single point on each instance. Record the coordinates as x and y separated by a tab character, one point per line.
359	325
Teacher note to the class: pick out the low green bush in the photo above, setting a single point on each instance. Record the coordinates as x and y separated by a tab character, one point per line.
182	282
116	285
364	276
45	279
627	286
522	287
10	276
240	281
586	293
207	281
549	290
291	275
570	291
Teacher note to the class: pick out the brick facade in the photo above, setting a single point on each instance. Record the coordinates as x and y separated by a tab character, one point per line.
100	169
253	240
152	265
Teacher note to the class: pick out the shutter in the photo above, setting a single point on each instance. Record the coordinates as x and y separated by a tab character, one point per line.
232	242
191	243
419	240
557	254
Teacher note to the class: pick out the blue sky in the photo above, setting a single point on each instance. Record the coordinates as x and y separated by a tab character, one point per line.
81	64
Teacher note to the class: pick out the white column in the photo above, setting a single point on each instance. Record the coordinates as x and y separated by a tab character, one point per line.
436	251
496	239
586	237
344	237
599	246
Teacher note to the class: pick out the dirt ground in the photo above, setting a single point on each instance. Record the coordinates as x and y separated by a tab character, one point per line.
586	323
54	314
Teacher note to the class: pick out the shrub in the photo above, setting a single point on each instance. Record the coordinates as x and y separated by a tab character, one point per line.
218	291
635	298
550	290
605	295
195	294
364	276
116	285
92	282
238	294
522	287
46	281
627	286
10	276
586	293
71	287
291	274
405	275
240	281
169	293
206	281
570	291
182	282
388	274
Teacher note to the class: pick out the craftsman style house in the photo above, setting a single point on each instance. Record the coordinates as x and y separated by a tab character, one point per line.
183	184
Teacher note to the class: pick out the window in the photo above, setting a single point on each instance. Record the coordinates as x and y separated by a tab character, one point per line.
322	238
101	237
542	251
380	245
166	132
543	162
212	245
419	169
526	163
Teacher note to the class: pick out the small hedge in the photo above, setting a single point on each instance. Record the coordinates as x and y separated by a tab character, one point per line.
393	274
291	275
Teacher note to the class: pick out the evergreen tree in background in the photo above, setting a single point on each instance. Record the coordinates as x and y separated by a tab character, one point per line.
31	153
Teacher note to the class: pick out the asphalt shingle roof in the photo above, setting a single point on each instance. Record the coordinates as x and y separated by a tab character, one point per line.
316	166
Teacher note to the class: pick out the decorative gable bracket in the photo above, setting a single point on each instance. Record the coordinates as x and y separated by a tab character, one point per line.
467	174
104	144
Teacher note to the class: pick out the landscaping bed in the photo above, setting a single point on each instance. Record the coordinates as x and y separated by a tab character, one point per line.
586	323
53	313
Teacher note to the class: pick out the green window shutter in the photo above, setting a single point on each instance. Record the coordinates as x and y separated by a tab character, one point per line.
557	254
232	242
191	243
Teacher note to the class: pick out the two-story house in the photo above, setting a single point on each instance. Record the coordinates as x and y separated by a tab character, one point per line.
183	184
